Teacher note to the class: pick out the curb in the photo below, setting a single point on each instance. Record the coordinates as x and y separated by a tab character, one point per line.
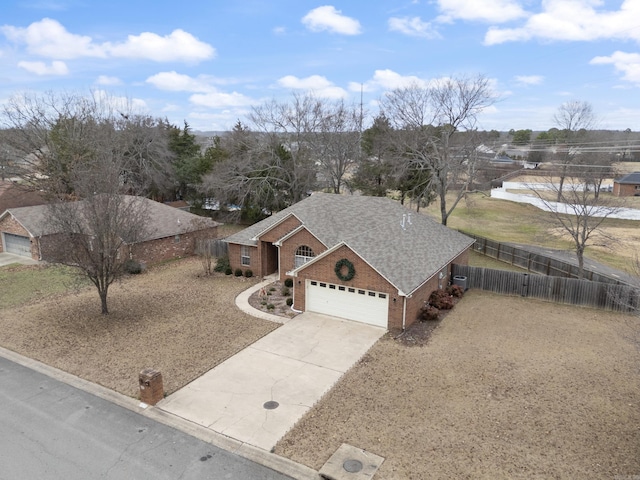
254	454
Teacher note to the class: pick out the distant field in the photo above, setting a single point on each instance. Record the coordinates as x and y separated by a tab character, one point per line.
506	221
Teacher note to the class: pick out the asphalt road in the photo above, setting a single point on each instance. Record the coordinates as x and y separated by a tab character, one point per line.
50	430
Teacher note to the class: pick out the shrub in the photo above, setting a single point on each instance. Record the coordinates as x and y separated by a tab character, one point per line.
270	306
441	300
455	291
222	264
272	289
228	271
428	312
238	272
285	292
132	267
248	273
288	282
289	301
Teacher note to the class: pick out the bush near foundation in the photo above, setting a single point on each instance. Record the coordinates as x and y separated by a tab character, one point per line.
428	312
441	300
455	291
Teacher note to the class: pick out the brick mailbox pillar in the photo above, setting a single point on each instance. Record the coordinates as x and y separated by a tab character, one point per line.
151	388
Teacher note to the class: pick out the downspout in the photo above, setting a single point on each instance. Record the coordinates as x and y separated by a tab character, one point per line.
404	313
39	247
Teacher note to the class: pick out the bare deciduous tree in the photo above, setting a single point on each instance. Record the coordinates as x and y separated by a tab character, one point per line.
434	127
203	240
579	213
53	134
93	234
573	118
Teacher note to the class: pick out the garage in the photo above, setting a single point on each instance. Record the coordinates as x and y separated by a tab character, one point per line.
356	304
17	244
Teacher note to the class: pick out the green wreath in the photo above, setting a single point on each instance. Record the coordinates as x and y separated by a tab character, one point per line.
351	271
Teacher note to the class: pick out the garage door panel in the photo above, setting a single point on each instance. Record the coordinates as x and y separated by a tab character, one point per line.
17	244
361	305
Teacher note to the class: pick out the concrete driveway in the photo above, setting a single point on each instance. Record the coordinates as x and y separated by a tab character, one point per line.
9	258
257	395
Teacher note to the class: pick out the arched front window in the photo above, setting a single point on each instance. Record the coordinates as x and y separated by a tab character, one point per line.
303	255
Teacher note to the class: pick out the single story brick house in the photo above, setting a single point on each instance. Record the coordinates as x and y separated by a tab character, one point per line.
171	233
367	259
627	186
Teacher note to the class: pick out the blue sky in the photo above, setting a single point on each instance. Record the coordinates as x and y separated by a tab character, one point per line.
209	62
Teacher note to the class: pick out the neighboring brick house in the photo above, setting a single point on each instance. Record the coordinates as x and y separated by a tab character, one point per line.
367	259
171	234
627	186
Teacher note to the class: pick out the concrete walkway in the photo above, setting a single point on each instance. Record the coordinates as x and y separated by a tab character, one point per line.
257	395
10	258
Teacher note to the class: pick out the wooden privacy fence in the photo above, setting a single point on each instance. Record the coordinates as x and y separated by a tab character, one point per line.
534	262
217	247
622	298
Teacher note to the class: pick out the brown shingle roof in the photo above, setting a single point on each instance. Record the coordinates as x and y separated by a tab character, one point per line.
372	227
164	221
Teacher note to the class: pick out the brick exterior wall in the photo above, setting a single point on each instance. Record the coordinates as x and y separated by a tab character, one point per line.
167	248
288	250
264	257
625	189
9	225
366	278
235	252
421	295
150	252
276	233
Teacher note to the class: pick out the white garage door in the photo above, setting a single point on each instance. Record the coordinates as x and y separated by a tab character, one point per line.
17	244
356	304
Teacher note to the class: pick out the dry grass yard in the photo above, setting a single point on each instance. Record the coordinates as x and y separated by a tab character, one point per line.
169	318
505	387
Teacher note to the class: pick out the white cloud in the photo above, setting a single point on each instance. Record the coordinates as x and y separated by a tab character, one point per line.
529	79
574	20
48	38
316	83
413	27
627	63
109	81
177	46
221	100
177	82
205	92
490	11
122	104
329	19
279	30
41	68
388	80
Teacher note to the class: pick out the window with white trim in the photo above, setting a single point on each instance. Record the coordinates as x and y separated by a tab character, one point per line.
245	255
303	255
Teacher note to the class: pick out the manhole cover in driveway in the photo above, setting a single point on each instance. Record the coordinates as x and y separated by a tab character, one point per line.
271	405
